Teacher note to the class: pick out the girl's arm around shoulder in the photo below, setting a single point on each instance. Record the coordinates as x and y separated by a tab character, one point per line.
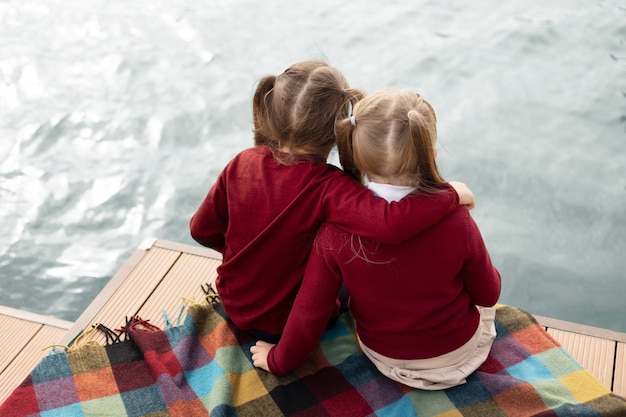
357	210
466	197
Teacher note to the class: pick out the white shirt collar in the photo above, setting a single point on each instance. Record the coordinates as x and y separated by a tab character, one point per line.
390	192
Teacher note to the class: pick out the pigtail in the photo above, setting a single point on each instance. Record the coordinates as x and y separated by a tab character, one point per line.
349	96
422	129
260	111
343	134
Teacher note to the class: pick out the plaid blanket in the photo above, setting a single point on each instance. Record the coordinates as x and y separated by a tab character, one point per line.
203	367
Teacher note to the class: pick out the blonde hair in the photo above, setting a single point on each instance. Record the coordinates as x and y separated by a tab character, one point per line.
299	107
392	134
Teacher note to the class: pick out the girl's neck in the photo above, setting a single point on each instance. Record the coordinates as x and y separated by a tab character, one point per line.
290	158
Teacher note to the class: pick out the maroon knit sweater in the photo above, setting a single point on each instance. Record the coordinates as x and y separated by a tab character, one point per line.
413	300
263	216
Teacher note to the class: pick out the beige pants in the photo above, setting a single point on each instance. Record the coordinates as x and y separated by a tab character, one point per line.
447	370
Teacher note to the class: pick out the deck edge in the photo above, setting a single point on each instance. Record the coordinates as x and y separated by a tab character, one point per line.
185	248
46	320
581	329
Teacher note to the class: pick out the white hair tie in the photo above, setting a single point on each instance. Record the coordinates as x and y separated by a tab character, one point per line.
409	113
353	120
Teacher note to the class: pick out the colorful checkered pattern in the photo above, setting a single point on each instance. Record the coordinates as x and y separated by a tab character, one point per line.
203	368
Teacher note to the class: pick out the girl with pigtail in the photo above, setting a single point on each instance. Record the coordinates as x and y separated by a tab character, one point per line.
266	206
423	308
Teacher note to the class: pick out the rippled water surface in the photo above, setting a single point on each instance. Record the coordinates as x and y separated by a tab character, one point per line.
116	117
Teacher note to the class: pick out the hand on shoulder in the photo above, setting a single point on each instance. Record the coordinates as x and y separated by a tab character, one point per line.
466	197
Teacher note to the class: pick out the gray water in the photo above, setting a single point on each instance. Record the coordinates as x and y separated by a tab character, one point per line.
116	117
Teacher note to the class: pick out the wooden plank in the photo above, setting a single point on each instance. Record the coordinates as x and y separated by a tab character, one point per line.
29	333
21	332
185	279
594	353
137	287
105	294
23	326
21	366
619	377
130	292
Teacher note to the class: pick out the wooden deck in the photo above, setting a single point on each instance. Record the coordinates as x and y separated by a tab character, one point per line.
159	273
24	334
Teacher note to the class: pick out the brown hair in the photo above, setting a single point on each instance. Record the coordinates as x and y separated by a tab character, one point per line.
298	108
392	134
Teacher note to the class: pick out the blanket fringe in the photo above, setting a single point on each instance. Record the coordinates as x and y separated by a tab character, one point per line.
168	322
84	338
211	295
137	323
123	333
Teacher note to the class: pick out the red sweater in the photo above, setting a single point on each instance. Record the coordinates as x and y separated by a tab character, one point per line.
414	300
263	216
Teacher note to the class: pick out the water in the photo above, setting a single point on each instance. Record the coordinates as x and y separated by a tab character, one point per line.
116	117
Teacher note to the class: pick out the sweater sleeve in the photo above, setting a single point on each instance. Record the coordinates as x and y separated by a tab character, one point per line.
208	225
357	210
309	316
480	278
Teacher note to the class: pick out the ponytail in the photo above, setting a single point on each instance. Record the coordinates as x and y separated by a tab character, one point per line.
422	123
260	101
343	133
